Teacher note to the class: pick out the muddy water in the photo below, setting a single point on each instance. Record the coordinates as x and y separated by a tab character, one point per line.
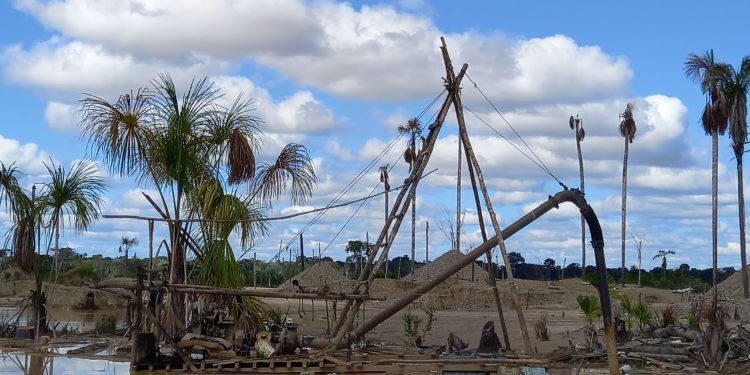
17	362
22	363
81	321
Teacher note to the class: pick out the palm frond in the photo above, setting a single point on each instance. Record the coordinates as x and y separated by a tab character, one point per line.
24	244
292	174
75	194
118	133
627	125
241	158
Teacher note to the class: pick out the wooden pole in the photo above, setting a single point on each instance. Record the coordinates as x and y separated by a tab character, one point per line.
458	107
491	279
386	186
427	247
302	251
396	216
201	289
255	269
458	202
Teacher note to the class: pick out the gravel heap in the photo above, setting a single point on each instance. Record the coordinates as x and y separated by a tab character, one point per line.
318	275
444	261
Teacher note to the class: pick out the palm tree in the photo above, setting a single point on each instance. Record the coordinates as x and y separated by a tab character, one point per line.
736	91
627	130
198	155
576	123
711	75
125	244
413	129
663	254
23	216
75	195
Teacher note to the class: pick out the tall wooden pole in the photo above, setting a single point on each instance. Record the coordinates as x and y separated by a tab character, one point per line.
396	216
255	268
427	247
491	279
387	186
458	107
458	203
302	251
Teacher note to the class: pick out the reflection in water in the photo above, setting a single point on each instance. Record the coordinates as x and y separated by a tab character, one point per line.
82	321
22	363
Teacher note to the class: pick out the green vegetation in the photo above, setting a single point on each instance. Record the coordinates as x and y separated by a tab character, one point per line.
414	331
590	308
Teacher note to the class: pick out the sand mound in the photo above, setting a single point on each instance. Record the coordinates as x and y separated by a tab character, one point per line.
444	261
731	288
318	275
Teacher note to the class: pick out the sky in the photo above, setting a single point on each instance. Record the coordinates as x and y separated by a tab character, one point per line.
340	77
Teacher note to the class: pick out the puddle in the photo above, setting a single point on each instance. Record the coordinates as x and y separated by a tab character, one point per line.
22	363
81	321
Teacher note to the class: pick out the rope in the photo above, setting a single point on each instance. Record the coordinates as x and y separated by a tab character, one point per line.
357	178
538	160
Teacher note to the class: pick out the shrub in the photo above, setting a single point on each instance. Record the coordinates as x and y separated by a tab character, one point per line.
589	305
106	324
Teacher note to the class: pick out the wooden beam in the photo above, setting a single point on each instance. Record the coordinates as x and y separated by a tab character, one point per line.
201	289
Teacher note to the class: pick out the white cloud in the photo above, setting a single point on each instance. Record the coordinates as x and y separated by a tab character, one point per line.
28	158
176	28
300	113
373	52
78	67
62	117
335	149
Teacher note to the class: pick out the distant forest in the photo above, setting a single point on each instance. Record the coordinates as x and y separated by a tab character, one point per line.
77	269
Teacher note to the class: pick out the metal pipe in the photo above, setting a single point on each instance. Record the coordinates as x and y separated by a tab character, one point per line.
597	240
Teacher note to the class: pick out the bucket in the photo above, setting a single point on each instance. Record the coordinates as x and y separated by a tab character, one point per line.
262	346
25	332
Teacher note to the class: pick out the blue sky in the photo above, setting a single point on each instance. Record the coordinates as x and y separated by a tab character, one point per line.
340	77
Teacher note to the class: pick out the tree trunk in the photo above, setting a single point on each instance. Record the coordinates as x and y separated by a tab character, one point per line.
458	202
741	204
413	233
715	211
624	207
493	218
56	267
583	190
387	187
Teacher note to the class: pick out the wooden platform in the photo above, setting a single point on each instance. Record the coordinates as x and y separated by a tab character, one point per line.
361	364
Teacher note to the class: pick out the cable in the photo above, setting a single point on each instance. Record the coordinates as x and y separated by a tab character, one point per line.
360	206
357	178
514	146
540	162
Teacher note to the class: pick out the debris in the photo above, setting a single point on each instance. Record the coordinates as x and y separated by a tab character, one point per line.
489	342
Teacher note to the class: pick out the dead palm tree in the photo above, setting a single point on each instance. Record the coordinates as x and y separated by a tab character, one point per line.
576	123
627	130
386	187
736	91
75	195
413	129
711	75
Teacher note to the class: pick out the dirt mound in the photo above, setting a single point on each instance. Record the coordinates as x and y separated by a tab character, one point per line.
731	288
444	261
318	275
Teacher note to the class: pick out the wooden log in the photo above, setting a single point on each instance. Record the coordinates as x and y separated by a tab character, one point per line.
659	349
681	331
200	289
171	341
669	358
